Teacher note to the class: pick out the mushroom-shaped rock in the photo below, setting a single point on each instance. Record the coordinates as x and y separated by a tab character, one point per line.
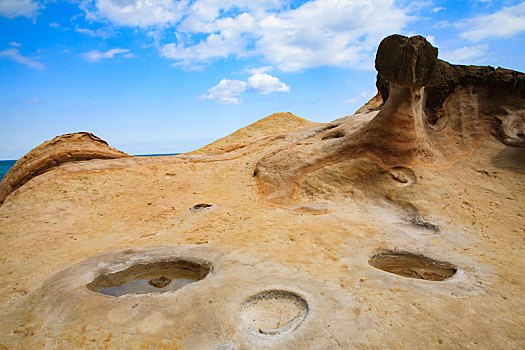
431	113
62	149
406	61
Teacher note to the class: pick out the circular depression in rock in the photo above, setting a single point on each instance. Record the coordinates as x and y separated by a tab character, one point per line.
154	277
412	265
404	176
201	206
274	312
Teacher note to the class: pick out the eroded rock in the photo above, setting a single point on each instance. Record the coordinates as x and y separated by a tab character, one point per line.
62	149
433	114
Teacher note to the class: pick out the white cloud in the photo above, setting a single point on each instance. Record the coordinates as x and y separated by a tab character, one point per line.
95	55
15	44
466	55
137	13
15	55
259	70
15	8
101	33
54	25
265	83
437	9
228	91
318	33
214	46
431	39
504	23
339	33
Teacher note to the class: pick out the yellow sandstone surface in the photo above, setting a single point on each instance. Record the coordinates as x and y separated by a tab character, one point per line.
60	228
399	227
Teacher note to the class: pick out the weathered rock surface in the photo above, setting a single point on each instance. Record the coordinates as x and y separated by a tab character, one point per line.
433	113
378	230
265	128
62	149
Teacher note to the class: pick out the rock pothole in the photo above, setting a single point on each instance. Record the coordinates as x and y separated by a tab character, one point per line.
335	135
403	176
412	265
156	277
311	208
274	312
201	207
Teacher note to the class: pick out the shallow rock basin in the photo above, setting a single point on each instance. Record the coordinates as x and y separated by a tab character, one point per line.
274	312
150	278
412	265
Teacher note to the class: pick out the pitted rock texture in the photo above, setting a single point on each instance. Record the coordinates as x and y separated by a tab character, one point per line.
433	113
299	209
62	149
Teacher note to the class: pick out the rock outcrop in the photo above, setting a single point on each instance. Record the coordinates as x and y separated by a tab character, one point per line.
62	149
433	113
276	123
399	227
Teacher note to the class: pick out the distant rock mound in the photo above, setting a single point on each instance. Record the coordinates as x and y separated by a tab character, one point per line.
431	113
274	124
62	149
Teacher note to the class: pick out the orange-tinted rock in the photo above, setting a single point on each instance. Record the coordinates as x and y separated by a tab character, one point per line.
62	149
433	114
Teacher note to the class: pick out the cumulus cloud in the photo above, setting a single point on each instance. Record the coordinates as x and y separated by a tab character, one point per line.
95	55
504	23
265	83
101	33
14	55
137	13
228	91
345	33
259	70
15	8
219	45
290	37
466	54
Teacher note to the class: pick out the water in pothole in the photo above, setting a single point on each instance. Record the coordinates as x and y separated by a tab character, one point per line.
412	265
150	278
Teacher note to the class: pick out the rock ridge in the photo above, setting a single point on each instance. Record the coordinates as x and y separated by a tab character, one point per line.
53	153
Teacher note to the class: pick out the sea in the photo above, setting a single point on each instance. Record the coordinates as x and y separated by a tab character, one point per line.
5	165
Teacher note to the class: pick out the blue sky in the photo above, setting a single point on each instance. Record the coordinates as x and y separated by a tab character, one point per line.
165	76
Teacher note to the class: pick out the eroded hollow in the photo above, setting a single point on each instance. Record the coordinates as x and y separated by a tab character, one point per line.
335	135
274	312
404	176
412	265
201	206
155	277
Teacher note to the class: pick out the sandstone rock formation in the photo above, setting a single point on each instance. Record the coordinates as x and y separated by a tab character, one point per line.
433	113
62	149
265	128
398	227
